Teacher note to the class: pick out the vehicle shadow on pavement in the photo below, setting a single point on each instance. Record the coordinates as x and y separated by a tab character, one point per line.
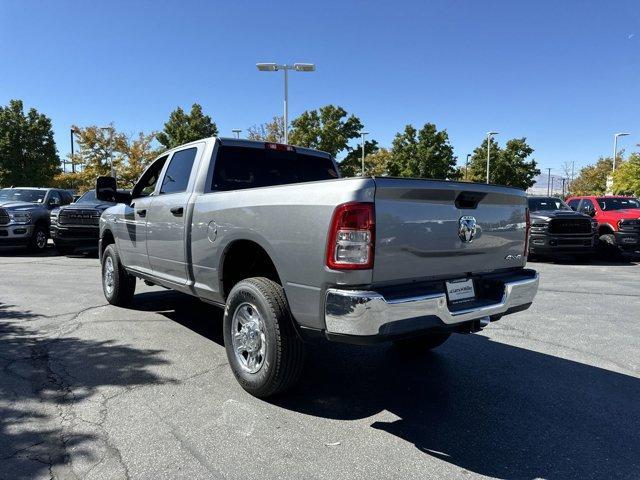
41	379
487	407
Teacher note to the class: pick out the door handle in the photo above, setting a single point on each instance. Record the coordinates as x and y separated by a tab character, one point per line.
177	211
142	212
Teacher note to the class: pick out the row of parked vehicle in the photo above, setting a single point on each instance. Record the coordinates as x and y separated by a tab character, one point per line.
581	226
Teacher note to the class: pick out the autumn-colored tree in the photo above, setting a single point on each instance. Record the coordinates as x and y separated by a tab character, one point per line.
626	179
272	131
592	179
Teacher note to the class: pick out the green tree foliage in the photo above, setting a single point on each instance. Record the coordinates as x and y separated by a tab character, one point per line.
509	166
592	179
131	155
351	165
184	128
626	179
424	153
28	155
328	129
272	131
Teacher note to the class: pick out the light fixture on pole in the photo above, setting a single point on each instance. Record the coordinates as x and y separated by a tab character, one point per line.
615	147
489	135
362	135
110	129
237	132
274	67
549	183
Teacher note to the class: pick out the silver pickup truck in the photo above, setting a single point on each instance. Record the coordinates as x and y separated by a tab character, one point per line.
291	251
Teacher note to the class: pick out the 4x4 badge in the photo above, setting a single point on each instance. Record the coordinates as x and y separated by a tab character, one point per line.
467	229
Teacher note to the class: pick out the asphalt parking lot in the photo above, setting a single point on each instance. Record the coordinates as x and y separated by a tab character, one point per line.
89	390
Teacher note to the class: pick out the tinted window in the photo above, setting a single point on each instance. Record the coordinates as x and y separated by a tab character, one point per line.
245	167
574	203
618	203
550	203
177	176
67	198
587	206
22	195
147	183
54	198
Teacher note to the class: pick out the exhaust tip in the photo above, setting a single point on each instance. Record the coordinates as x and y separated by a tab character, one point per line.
484	321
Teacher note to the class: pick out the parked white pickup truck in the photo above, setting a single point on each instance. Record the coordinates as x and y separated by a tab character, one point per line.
270	233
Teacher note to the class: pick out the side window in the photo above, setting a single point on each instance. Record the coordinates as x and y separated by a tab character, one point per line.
574	203
177	175
147	183
587	206
54	198
67	198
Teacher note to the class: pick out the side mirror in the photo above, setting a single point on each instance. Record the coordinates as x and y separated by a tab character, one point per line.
591	213
106	189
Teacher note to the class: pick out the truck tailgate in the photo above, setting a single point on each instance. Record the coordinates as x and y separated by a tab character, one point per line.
418	229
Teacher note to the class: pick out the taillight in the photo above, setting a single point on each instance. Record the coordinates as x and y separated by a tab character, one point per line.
279	147
351	237
527	231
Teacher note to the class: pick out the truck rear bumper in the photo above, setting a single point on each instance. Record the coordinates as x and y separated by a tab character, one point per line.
370	314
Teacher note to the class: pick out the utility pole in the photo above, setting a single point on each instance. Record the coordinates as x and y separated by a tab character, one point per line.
73	164
549	183
563	181
489	135
466	167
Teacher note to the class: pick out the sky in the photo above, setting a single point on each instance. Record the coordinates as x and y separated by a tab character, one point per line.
563	74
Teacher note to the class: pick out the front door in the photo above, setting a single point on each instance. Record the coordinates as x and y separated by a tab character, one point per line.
166	227
131	230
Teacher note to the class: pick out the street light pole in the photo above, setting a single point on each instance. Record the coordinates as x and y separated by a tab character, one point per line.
298	67
362	134
73	165
615	147
548	182
237	132
466	167
113	172
489	135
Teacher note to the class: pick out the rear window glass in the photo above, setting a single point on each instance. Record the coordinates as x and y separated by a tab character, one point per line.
538	204
245	167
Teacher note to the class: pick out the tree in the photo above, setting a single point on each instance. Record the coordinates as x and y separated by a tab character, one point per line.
351	165
328	129
28	154
592	179
184	128
131	155
272	131
506	167
626	179
424	153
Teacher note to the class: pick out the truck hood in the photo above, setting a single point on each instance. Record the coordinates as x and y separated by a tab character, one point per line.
547	215
19	205
88	206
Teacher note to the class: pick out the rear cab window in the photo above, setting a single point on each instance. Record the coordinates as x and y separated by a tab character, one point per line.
239	167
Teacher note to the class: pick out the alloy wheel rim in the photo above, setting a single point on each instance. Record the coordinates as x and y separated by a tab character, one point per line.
41	239
248	337
108	275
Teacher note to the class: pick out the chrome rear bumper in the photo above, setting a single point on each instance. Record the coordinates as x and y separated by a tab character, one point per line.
368	313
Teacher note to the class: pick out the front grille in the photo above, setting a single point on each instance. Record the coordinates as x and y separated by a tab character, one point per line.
79	217
4	217
570	226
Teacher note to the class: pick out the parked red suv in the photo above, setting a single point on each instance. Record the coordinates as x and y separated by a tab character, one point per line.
618	219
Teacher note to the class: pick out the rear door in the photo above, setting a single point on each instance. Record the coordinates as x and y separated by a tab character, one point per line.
167	214
433	229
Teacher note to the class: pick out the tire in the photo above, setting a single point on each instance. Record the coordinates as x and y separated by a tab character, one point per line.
422	343
607	246
64	249
39	238
118	286
264	351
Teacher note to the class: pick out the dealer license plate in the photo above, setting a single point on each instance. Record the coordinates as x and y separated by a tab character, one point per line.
460	290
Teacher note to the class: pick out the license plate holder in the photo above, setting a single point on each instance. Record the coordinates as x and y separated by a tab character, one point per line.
460	290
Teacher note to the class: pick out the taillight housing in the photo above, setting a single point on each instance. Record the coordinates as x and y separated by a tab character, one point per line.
527	231
351	237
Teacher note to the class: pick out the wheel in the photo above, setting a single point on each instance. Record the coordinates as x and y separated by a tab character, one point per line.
64	249
264	351
39	238
607	246
118	286
423	342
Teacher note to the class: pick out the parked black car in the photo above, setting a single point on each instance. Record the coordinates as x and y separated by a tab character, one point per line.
76	225
557	230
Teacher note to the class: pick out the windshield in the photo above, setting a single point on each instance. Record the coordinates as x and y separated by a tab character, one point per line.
550	203
22	195
88	197
618	203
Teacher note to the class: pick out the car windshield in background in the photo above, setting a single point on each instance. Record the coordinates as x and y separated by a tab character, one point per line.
89	197
22	195
245	167
608	204
538	204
